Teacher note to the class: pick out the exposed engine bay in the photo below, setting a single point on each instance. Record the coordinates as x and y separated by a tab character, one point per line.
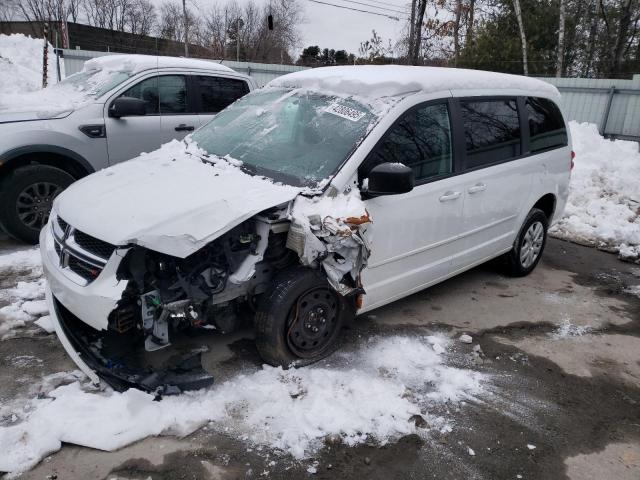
168	299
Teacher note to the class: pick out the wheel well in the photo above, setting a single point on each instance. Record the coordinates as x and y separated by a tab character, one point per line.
64	162
547	204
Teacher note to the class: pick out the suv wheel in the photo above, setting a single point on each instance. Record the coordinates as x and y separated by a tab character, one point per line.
299	320
26	197
529	245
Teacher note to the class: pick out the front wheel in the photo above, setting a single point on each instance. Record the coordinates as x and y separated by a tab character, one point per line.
529	245
26	197
298	321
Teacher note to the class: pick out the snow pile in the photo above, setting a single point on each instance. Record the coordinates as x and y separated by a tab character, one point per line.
21	64
26	299
603	208
568	329
374	394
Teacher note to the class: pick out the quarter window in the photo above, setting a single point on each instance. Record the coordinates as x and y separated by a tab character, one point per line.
546	126
492	131
216	93
166	94
421	139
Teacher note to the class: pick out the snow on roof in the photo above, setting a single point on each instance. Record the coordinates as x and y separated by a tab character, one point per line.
138	63
395	80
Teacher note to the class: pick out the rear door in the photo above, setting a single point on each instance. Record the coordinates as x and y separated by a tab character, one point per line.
497	179
414	235
214	93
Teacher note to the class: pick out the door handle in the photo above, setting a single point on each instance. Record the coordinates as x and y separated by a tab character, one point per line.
450	195
183	127
478	187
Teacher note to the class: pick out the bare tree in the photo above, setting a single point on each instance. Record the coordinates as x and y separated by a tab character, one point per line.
456	30
523	37
560	59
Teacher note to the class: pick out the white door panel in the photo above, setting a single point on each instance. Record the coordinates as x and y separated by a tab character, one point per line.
418	237
495	196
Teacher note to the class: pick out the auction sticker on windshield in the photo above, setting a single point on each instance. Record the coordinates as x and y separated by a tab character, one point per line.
345	112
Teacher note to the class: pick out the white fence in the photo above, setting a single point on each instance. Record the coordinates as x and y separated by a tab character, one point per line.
613	105
261	72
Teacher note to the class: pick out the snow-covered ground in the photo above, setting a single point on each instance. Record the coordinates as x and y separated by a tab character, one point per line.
604	199
21	64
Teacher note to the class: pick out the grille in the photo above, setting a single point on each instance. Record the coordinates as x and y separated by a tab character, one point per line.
84	269
57	247
62	224
92	245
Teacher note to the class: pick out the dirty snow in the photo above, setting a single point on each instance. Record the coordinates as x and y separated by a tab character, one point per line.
603	208
21	65
375	394
24	301
569	329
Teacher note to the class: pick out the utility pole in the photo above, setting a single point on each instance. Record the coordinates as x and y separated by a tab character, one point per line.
238	39
186	28
45	55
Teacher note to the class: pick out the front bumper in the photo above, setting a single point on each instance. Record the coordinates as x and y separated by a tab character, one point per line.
93	302
80	318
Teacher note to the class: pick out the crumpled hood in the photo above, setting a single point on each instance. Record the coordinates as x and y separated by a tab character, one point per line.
168	200
31	115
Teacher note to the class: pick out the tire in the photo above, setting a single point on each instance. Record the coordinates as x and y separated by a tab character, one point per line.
26	196
532	238
299	301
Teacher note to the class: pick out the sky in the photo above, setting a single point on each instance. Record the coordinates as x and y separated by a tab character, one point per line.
337	28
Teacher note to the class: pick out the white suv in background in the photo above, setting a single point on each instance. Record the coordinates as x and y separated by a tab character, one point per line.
325	194
115	108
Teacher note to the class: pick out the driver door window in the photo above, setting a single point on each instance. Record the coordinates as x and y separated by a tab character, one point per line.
164	95
421	139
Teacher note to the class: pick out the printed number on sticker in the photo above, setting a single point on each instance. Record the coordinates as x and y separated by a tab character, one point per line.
345	112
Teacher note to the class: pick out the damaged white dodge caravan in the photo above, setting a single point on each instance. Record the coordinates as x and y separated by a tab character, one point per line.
326	194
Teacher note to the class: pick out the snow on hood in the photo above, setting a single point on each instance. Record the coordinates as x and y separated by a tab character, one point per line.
169	200
375	81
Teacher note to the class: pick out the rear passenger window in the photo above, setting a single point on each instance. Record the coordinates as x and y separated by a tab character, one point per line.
492	131
421	139
546	126
216	93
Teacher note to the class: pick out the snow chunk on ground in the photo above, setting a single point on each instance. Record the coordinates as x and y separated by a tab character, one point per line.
26	298
45	323
374	393
603	208
21	64
464	338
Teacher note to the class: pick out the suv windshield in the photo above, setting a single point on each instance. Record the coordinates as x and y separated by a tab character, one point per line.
95	82
294	136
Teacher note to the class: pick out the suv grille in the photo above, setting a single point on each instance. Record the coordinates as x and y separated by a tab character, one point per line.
98	247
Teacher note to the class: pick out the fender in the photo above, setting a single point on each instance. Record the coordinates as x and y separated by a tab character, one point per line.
9	159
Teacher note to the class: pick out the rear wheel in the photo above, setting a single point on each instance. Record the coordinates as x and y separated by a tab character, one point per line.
26	197
529	245
299	320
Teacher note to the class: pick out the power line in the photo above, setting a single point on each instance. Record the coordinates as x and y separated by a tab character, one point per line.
374	6
387	4
356	9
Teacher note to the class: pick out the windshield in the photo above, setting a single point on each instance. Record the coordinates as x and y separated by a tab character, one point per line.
294	136
95	82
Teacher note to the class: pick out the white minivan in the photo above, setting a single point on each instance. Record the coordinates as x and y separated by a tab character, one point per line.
326	194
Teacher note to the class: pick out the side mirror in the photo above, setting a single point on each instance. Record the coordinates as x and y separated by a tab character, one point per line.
127	107
389	179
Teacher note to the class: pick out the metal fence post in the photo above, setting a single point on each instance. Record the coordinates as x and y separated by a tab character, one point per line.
607	110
